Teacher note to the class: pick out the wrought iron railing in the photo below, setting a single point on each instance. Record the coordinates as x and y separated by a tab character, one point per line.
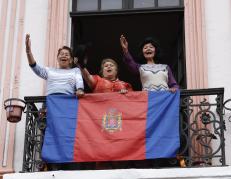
202	127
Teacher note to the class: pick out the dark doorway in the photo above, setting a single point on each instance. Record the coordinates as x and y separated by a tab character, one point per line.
104	30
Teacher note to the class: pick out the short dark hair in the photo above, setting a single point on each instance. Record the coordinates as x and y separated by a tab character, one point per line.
155	43
66	48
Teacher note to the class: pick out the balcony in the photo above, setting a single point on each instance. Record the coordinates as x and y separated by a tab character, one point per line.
202	127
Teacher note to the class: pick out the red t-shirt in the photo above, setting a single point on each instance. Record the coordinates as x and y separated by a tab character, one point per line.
102	85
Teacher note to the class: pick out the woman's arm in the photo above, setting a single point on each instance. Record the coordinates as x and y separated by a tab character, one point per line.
29	54
88	77
79	79
172	84
79	84
81	62
40	71
133	67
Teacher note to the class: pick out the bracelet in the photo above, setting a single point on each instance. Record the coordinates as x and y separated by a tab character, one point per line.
80	89
28	50
33	65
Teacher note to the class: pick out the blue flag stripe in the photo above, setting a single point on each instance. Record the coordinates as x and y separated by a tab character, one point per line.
59	139
162	125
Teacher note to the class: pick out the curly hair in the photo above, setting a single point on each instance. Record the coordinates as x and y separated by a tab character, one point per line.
155	43
68	49
107	60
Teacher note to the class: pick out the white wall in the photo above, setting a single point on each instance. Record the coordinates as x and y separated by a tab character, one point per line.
218	32
30	85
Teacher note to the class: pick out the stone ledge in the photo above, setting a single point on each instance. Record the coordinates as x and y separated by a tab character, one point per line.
5	171
176	173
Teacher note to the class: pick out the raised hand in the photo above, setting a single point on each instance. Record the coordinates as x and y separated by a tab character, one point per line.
30	57
124	43
81	53
28	43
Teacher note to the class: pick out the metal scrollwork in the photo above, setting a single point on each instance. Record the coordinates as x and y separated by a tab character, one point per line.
202	127
34	135
228	108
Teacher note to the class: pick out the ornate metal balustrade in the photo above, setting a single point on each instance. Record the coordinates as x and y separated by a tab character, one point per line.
202	128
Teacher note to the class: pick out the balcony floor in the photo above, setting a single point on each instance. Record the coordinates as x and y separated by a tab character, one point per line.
205	173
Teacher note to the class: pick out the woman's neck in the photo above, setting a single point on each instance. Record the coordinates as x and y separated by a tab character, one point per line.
110	78
65	68
150	61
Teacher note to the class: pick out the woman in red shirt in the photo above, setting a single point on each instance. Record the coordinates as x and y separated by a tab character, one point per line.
108	81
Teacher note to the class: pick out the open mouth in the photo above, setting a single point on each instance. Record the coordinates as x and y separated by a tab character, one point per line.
149	53
63	59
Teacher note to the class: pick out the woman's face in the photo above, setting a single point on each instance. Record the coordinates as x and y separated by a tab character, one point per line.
109	70
149	51
64	59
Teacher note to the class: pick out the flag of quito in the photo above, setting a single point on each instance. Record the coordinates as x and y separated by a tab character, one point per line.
111	126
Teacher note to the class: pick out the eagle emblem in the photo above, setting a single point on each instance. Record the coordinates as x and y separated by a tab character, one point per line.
112	120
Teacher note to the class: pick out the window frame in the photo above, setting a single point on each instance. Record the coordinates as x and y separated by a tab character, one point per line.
181	78
127	5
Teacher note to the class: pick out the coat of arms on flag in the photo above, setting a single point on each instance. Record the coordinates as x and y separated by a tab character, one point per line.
112	120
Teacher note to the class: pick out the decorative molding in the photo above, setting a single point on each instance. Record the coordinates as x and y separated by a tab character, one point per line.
196	50
14	14
57	28
195	42
3	20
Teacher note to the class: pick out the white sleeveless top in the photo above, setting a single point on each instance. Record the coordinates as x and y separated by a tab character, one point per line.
154	77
